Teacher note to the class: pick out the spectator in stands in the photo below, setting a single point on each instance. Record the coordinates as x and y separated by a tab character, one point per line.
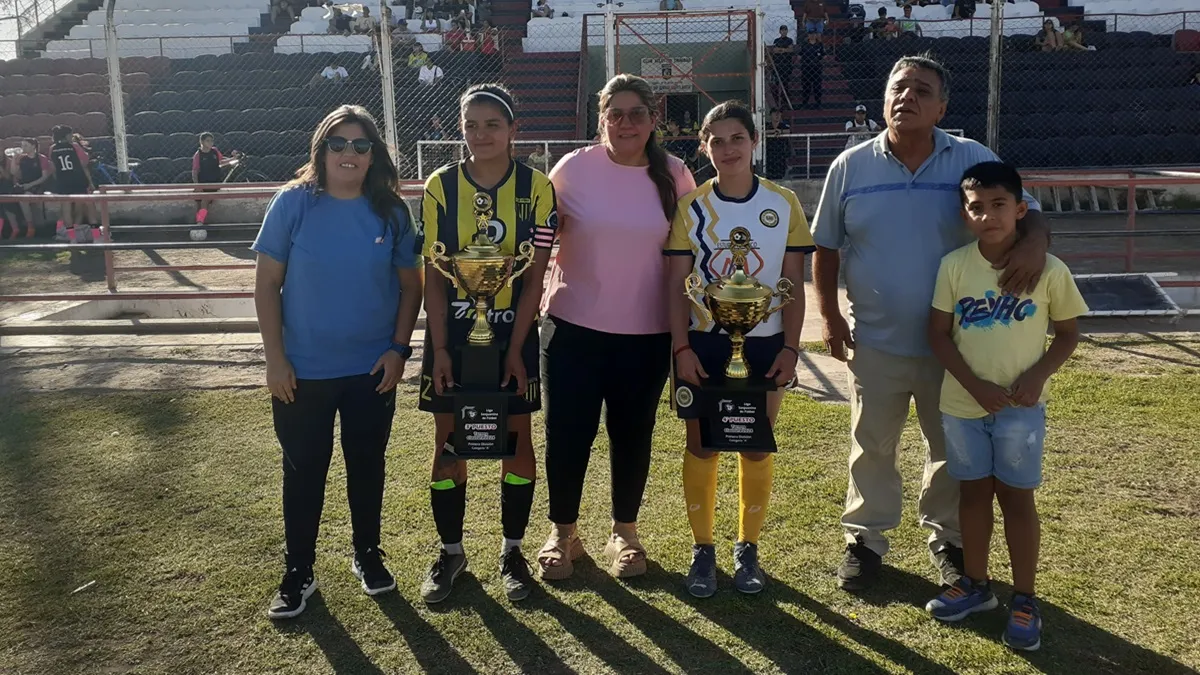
538	159
281	7
206	168
908	25
435	132
884	28
430	74
483	12
332	73
1048	38
543	10
429	24
860	128
419	57
777	148
339	19
336	337
365	23
963	9
10	212
670	5
812	66
616	201
1073	37
489	39
32	170
453	38
814	16
783	52
884	204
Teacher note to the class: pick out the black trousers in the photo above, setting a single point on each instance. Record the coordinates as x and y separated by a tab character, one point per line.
305	431
581	370
810	84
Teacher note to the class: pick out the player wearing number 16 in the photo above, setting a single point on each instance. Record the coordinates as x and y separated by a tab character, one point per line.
736	237
489	224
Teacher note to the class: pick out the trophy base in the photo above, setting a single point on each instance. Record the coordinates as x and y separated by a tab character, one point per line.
732	413
481	407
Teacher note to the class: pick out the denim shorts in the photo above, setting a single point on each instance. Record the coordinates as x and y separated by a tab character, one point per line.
1007	444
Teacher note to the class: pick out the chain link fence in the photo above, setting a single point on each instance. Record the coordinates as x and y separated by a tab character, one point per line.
1100	90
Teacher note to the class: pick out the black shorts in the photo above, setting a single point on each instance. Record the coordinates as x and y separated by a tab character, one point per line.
714	349
430	401
71	187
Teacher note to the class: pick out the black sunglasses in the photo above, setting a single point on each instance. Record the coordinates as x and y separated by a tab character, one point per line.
338	144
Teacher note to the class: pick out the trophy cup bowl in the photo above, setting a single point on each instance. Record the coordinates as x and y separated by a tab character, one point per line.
737	302
481	270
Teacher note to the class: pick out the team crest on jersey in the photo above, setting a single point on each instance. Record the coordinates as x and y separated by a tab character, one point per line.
769	218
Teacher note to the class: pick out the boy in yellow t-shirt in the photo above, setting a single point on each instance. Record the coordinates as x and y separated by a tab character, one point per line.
993	347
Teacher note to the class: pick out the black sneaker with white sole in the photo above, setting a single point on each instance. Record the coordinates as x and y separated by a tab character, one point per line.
516	574
440	579
368	568
294	591
948	560
859	568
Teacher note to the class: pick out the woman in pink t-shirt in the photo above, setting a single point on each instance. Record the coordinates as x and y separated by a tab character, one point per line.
605	338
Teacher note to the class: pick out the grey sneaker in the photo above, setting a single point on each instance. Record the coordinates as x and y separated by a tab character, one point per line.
440	580
859	568
949	563
747	575
515	571
702	577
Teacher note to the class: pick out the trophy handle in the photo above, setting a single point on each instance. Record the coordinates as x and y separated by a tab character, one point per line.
694	286
438	255
783	291
524	255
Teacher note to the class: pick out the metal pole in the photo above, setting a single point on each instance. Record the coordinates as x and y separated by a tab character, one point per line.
110	274
610	42
115	92
995	62
760	86
808	156
385	73
420	162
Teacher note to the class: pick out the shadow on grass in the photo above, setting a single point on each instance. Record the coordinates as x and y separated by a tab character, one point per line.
429	648
1069	644
342	652
524	647
180	278
87	265
1127	347
793	645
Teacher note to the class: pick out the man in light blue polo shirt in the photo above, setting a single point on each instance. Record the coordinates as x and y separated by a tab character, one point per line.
889	211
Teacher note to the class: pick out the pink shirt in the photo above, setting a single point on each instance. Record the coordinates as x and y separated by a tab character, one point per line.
610	274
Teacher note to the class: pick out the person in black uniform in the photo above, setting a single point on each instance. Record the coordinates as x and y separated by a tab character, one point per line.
812	55
70	162
10	212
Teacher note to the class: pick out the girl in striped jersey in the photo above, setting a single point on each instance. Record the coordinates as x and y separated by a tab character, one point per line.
523	210
699	242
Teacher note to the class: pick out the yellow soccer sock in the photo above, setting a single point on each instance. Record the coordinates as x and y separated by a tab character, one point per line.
700	491
754	492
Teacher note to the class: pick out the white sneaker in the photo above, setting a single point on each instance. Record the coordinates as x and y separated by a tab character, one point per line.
198	234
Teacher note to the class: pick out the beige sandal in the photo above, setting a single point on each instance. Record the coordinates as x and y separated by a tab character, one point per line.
627	556
557	558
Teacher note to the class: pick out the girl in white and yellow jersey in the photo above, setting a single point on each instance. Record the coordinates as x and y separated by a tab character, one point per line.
699	242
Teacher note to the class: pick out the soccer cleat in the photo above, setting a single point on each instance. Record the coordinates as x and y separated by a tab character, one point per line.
516	574
1024	629
440	579
368	568
702	577
748	577
294	591
961	600
859	568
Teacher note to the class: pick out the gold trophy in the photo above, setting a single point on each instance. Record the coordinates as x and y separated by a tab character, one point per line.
481	269
738	302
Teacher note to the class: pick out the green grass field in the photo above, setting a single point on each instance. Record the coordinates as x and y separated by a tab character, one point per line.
169	506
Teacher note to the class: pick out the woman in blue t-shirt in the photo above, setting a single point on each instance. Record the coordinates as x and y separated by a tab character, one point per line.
337	291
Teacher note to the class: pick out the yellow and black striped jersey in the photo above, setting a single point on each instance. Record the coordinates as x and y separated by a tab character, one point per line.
524	209
777	226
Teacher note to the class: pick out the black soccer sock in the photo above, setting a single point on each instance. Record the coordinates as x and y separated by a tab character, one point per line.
516	501
449	502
